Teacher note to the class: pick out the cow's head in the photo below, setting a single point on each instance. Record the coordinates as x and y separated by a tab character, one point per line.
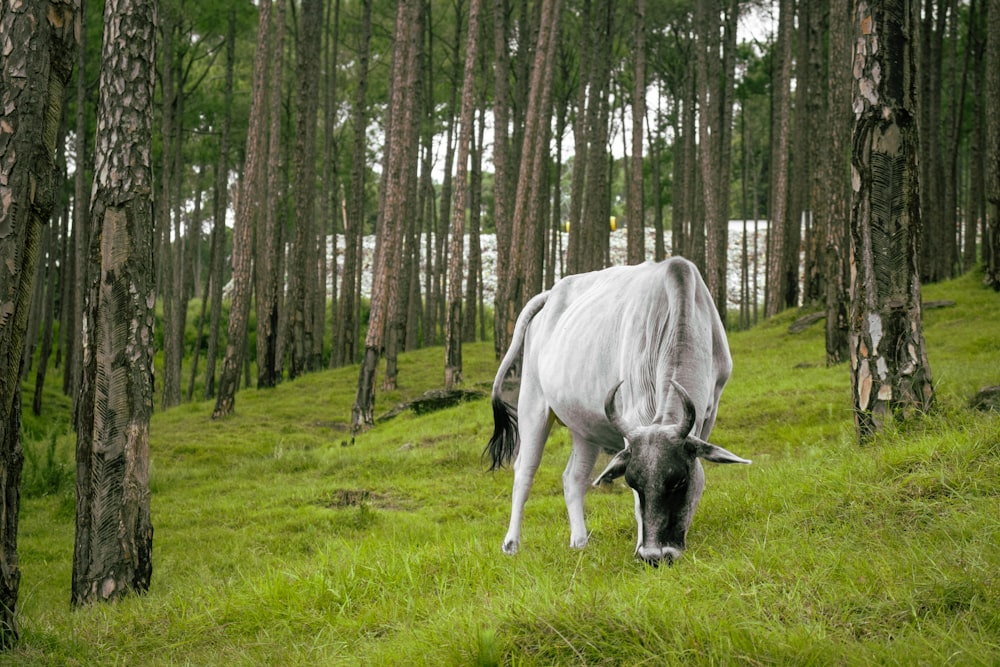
661	464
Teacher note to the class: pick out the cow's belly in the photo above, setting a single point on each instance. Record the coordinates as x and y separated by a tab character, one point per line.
577	367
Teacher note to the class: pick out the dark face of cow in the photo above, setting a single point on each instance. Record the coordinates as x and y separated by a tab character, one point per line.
662	465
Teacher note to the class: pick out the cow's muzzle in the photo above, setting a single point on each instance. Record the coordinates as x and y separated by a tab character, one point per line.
656	555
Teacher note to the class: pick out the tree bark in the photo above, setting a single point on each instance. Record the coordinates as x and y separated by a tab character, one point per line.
219	207
474	274
595	220
636	209
385	278
302	276
247	210
35	67
890	374
991	242
346	349
112	553
834	206
453	323
268	282
502	174
526	255
777	271
714	77
937	243
81	207
51	274
163	220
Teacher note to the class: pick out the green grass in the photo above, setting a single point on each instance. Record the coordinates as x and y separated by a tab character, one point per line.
278	543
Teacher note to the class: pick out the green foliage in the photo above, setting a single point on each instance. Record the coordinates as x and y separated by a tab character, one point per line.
47	468
280	542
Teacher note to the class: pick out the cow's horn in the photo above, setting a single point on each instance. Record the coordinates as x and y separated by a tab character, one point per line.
612	414
689	412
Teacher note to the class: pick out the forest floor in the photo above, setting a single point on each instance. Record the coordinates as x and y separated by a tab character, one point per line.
278	543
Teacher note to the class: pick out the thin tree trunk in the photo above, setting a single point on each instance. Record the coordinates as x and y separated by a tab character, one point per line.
453	322
636	235
474	274
991	241
81	207
346	348
503	183
835	207
112	553
166	265
219	208
526	255
268	281
329	198
385	280
777	274
302	276
247	210
48	315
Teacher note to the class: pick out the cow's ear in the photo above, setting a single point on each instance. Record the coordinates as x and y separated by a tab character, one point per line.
715	453
616	467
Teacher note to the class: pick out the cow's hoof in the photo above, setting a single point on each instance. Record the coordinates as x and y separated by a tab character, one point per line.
579	543
510	547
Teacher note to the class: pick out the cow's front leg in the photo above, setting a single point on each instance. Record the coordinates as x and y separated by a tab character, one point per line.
576	481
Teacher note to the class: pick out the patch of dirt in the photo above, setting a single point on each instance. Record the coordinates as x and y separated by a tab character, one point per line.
347	498
987	399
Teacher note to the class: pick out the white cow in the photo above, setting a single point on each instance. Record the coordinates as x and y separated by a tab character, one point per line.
648	336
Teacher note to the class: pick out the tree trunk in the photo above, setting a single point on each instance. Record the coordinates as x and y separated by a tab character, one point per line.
247	210
890	375
715	112
525	262
834	207
112	554
329	204
268	282
408	127
474	273
636	235
503	193
991	241
302	276
164	219
81	207
219	207
385	279
453	323
35	67
48	314
937	242
777	271
346	348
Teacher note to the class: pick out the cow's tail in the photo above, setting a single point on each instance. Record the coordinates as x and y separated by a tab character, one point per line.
503	445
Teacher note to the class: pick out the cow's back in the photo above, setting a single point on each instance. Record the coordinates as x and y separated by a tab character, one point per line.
643	324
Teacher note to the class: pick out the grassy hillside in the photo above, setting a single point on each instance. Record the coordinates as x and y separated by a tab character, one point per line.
278	543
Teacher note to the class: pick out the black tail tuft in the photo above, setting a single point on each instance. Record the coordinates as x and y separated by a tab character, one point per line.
503	444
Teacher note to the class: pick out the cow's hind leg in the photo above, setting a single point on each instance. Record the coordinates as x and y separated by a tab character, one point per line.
534	423
576	481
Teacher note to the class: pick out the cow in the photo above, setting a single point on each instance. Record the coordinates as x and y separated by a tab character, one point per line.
645	337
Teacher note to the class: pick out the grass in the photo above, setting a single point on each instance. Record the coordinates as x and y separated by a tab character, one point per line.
278	543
